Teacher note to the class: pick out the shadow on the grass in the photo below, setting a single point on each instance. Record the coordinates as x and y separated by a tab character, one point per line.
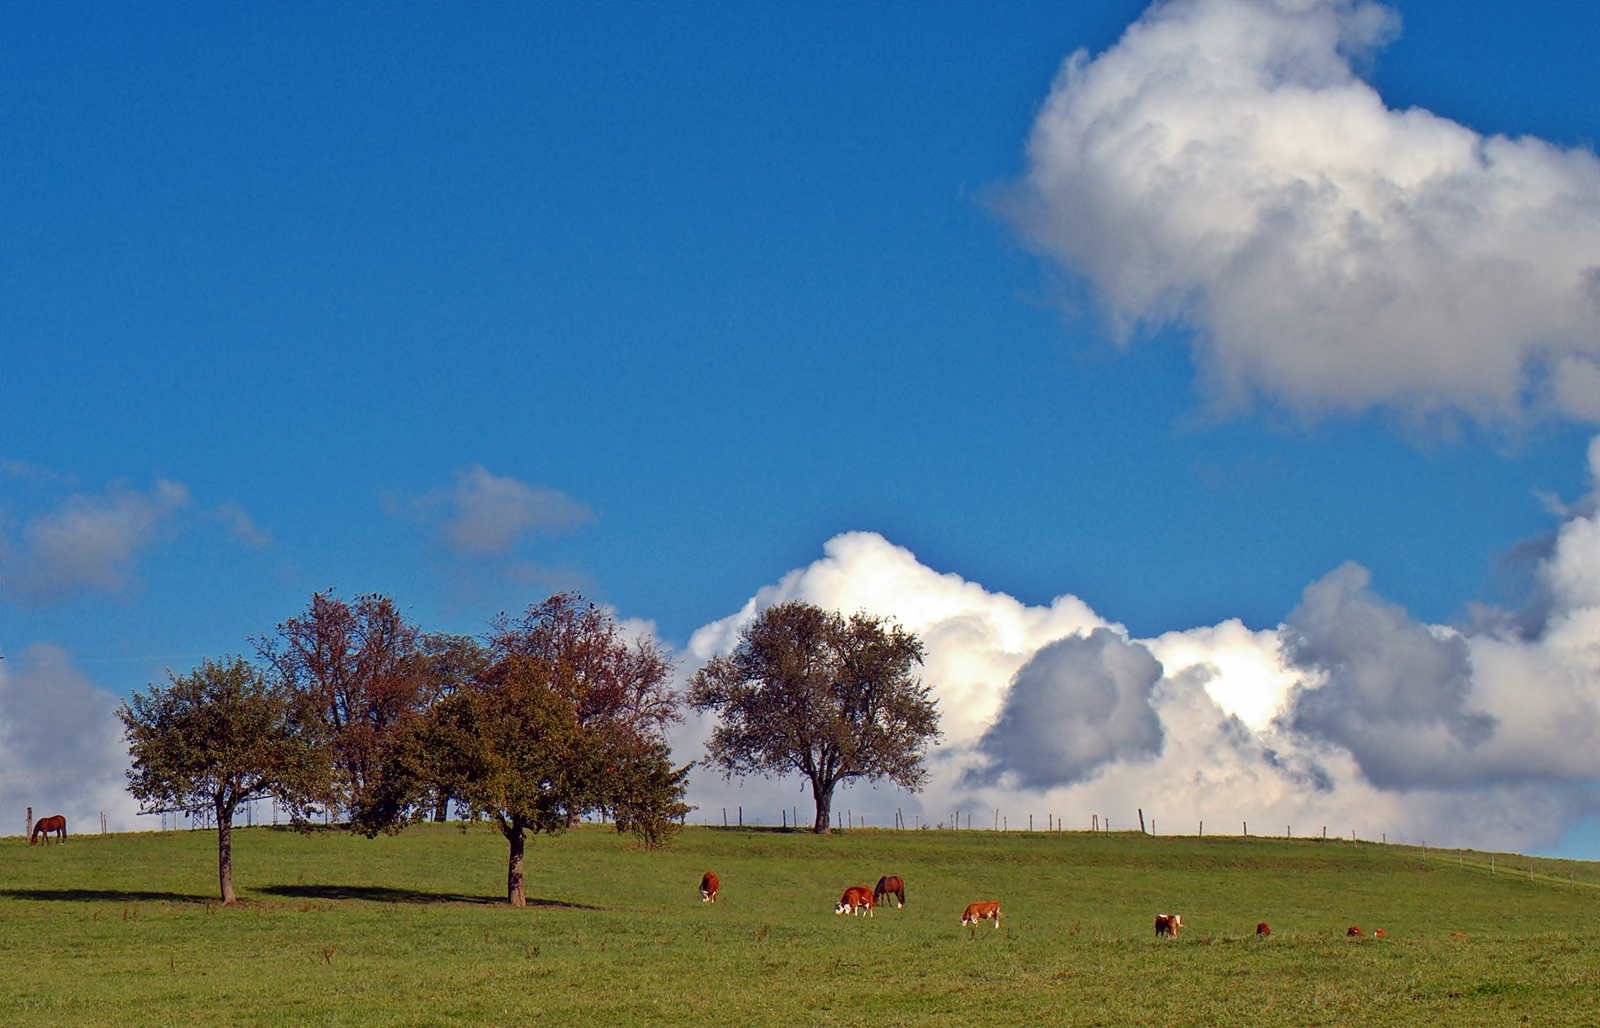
385	894
105	895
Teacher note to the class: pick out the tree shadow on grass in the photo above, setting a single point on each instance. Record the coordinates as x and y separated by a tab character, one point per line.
105	895
386	894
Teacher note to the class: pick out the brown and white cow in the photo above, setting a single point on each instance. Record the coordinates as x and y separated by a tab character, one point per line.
856	899
1168	924
1353	932
708	888
1379	933
979	912
890	885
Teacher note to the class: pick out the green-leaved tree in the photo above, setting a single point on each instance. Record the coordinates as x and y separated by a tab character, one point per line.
568	718
218	737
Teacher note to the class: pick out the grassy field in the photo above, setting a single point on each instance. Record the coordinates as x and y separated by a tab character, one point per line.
410	930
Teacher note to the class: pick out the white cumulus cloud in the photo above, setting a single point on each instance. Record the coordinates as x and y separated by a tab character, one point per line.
61	745
1222	168
1349	715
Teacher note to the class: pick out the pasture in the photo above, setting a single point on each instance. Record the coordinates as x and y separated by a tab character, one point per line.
412	930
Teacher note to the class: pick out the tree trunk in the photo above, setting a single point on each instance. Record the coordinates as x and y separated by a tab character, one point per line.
514	894
824	795
225	852
441	806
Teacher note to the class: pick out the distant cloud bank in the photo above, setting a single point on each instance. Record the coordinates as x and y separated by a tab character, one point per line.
61	746
1223	169
1350	714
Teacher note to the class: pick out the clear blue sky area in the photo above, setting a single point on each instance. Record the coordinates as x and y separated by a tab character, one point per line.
731	275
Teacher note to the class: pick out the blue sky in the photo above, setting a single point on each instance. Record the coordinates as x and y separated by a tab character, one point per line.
683	292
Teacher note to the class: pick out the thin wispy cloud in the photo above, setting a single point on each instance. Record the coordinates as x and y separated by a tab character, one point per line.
485	515
87	542
241	527
1223	169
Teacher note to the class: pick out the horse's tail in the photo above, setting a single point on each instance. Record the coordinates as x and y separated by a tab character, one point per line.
63	835
902	894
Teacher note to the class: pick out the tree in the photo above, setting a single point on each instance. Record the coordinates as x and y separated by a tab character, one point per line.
219	737
361	664
568	718
833	698
450	663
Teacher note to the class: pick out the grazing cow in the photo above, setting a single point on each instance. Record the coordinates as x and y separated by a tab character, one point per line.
46	826
1458	935
890	885
1379	933
856	899
1168	925
1262	929
708	888
1353	932
980	911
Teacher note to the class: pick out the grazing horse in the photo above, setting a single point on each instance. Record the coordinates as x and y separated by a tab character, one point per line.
1168	924
46	825
980	911
708	888
1263	929
890	885
856	899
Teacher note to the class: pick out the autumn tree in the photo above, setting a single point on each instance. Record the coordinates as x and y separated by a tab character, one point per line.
361	665
810	691
219	737
568	718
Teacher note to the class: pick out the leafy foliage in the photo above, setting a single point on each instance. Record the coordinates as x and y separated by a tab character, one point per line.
363	667
218	737
829	697
569	718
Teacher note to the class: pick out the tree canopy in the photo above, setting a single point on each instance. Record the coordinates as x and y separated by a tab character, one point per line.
568	718
810	691
218	737
362	666
558	714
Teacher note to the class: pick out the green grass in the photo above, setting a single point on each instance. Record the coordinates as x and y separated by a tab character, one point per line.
410	930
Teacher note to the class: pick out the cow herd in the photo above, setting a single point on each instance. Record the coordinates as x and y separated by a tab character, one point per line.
859	900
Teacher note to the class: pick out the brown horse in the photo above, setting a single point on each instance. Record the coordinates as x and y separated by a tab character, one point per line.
46	825
890	885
